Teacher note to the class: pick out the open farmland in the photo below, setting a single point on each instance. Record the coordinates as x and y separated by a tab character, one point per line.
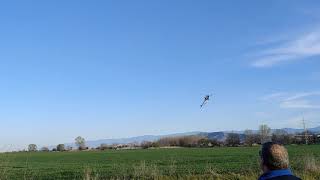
192	163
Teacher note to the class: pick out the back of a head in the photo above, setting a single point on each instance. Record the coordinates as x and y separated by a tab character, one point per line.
274	156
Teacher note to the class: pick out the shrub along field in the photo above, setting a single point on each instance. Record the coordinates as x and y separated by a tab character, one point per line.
174	163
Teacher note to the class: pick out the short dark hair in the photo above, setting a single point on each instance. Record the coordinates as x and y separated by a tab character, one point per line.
274	156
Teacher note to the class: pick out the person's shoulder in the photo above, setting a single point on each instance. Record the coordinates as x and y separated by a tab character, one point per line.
287	177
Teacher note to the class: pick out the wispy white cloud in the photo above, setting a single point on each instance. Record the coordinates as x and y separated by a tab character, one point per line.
305	104
294	100
298	48
274	96
298	101
302	95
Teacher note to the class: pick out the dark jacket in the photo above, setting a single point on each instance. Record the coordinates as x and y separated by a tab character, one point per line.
283	174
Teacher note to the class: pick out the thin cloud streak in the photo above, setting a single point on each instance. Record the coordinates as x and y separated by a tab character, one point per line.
301	104
301	95
274	96
307	45
297	100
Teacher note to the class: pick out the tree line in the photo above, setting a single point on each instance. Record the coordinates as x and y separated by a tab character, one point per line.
248	138
80	142
232	139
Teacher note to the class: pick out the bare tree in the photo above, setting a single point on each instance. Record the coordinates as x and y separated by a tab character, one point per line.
146	144
80	142
265	133
183	141
45	149
233	139
104	146
60	147
250	138
32	147
281	136
169	141
189	141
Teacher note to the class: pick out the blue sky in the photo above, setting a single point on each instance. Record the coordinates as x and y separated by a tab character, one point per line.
108	69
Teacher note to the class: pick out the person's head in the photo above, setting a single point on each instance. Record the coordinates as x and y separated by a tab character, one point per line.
273	157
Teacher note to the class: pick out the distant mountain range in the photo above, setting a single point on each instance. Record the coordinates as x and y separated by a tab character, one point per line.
293	131
221	135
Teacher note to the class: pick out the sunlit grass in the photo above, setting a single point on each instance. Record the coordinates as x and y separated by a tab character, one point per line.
181	163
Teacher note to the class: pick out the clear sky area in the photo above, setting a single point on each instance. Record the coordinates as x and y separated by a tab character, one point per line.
110	69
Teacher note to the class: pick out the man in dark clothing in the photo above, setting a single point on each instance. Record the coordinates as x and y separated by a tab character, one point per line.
275	163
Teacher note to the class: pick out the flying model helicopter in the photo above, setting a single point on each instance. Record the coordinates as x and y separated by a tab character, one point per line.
206	99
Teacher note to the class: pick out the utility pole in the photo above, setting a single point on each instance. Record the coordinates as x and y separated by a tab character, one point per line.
305	130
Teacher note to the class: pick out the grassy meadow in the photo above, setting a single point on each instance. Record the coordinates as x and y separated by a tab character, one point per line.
174	163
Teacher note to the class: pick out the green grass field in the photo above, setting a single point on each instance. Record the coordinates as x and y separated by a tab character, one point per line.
191	163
